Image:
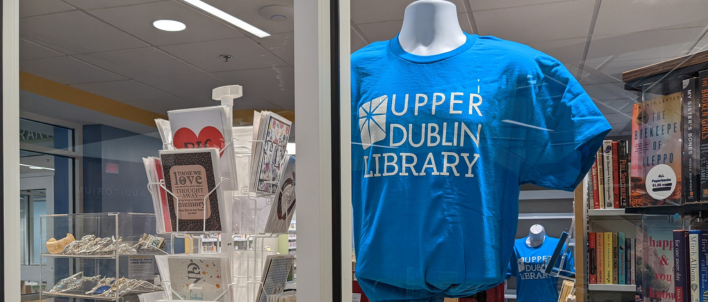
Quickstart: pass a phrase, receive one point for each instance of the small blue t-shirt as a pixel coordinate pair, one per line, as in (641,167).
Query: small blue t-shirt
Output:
(532,285)
(440,146)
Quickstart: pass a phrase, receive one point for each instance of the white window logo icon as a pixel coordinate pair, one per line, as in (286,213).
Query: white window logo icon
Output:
(520,263)
(372,121)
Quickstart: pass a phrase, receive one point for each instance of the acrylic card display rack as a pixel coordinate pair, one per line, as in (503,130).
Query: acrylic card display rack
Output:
(243,267)
(90,262)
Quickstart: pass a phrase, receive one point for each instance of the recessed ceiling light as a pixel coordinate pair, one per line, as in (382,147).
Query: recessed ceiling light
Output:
(169,25)
(228,18)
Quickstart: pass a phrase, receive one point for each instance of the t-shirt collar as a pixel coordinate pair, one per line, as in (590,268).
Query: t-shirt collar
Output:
(396,49)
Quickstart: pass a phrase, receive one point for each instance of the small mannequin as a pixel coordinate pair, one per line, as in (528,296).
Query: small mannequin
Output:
(430,27)
(537,235)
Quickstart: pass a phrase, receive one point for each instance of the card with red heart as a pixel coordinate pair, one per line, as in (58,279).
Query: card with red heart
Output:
(206,127)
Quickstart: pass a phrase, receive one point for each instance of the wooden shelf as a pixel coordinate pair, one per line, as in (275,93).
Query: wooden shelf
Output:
(612,287)
(687,208)
(698,61)
(609,212)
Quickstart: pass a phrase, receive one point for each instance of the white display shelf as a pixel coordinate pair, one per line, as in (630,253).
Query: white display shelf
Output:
(112,256)
(612,287)
(78,296)
(609,212)
(510,294)
(545,195)
(524,216)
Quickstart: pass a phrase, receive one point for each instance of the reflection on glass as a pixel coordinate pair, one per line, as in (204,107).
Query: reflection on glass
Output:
(46,135)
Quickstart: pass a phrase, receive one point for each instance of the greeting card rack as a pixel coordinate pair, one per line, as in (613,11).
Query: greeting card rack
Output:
(243,213)
(121,255)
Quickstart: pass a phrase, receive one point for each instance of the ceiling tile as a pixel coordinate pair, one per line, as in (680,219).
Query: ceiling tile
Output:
(357,42)
(75,32)
(67,70)
(623,16)
(282,45)
(662,44)
(137,20)
(536,23)
(164,104)
(273,85)
(369,11)
(387,30)
(247,10)
(610,91)
(701,45)
(42,7)
(123,91)
(139,63)
(95,4)
(205,55)
(477,5)
(30,51)
(569,51)
(193,87)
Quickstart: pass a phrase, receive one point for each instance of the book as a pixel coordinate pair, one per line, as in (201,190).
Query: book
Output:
(656,261)
(702,87)
(601,178)
(592,263)
(623,172)
(691,136)
(609,174)
(281,212)
(615,175)
(656,148)
(634,261)
(615,259)
(153,168)
(206,127)
(272,134)
(609,276)
(587,186)
(681,277)
(198,277)
(621,259)
(595,197)
(629,279)
(600,257)
(191,174)
(703,266)
(693,258)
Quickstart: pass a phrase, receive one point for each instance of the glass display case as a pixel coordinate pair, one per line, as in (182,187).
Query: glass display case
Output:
(101,256)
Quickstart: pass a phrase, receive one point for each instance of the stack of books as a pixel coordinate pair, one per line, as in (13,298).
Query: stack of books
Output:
(610,176)
(611,258)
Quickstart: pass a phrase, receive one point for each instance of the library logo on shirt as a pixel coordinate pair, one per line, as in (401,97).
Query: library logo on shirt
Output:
(372,121)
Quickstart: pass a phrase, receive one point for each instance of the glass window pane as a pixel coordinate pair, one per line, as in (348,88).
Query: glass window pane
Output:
(45,135)
(39,207)
(24,235)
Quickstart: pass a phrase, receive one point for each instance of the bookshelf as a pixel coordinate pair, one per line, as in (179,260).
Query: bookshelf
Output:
(630,220)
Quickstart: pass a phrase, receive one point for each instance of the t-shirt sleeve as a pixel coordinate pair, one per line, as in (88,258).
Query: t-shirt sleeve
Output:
(564,130)
(512,267)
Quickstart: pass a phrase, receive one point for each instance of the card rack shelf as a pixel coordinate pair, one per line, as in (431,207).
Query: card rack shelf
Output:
(244,284)
(130,227)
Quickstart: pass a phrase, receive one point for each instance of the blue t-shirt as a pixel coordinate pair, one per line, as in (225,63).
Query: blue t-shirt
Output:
(532,285)
(440,146)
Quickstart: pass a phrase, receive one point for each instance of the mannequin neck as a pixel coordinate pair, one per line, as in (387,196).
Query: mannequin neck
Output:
(430,27)
(537,235)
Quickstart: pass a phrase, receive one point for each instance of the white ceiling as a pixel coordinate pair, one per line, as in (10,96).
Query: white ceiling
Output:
(109,47)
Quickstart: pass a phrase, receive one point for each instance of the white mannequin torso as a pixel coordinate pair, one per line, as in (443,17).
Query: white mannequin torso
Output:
(430,27)
(537,234)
